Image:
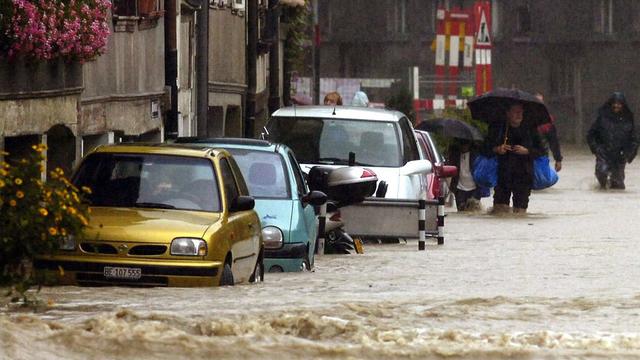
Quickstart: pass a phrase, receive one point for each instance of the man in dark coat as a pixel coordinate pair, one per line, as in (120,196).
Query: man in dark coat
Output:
(612,139)
(516,145)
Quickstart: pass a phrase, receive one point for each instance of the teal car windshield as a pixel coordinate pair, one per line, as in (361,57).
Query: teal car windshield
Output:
(264,173)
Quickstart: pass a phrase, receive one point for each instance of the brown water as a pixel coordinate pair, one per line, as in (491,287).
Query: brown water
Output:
(561,282)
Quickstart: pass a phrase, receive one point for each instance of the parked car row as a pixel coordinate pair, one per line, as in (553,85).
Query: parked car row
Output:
(223,211)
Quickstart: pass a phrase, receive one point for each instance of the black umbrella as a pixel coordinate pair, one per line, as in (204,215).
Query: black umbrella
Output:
(451,128)
(493,105)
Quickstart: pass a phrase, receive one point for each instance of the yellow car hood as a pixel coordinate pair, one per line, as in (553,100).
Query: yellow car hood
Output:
(147,225)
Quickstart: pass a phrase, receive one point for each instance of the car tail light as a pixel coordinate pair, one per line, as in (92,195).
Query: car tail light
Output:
(367,173)
(436,187)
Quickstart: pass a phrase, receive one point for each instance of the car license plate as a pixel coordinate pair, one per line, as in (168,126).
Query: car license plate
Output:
(111,272)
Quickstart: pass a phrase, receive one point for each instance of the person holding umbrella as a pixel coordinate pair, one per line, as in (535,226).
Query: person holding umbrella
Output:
(513,116)
(461,153)
(612,139)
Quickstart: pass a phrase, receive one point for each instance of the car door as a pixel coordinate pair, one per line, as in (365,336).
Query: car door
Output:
(426,155)
(244,224)
(418,183)
(306,229)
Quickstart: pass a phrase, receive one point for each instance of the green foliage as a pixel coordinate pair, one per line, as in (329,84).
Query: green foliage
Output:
(402,101)
(35,217)
(298,36)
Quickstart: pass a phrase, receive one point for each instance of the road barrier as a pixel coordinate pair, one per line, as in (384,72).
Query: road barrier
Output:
(396,218)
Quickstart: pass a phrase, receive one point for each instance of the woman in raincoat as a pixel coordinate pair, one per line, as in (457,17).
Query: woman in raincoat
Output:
(612,139)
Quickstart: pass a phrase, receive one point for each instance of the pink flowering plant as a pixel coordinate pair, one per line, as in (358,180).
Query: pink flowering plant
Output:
(48,29)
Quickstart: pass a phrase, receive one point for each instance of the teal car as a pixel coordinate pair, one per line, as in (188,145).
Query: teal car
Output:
(283,201)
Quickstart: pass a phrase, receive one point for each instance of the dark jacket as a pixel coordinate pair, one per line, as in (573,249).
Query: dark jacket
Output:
(550,135)
(514,168)
(612,136)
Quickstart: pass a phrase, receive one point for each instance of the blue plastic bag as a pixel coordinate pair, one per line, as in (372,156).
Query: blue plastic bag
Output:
(485,171)
(544,175)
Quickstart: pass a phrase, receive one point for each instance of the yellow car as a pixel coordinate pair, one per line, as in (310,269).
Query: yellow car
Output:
(162,215)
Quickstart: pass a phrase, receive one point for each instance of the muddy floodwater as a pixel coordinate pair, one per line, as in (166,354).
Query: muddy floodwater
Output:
(560,282)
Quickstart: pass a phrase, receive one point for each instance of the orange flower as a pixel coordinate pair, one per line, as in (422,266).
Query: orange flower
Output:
(53,231)
(18,181)
(19,194)
(12,203)
(43,212)
(3,172)
(71,210)
(1,184)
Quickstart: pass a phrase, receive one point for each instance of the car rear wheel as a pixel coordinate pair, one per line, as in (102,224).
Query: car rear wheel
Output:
(227,275)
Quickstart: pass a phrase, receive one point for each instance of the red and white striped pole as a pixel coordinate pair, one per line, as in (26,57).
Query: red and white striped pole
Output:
(441,49)
(482,16)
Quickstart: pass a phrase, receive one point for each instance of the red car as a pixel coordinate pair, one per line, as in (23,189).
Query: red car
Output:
(428,150)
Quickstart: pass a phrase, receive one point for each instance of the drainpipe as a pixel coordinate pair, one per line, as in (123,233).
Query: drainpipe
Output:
(171,67)
(274,56)
(202,68)
(316,54)
(252,59)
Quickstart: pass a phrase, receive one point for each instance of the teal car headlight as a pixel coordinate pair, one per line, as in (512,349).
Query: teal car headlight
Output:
(188,247)
(67,243)
(272,237)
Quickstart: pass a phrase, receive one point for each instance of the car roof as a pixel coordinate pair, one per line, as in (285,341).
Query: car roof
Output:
(340,112)
(234,143)
(160,148)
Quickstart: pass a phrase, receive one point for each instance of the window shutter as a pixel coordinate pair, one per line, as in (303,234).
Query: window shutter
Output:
(239,5)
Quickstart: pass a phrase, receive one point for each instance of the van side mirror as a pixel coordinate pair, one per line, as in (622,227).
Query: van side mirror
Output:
(315,198)
(242,203)
(417,167)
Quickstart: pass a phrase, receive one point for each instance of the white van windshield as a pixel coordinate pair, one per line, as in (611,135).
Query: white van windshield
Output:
(329,141)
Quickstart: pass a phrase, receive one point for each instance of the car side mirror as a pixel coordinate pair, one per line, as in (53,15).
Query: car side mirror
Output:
(447,171)
(315,198)
(242,203)
(416,167)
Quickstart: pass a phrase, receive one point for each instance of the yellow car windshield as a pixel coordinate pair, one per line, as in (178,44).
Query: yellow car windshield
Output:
(149,181)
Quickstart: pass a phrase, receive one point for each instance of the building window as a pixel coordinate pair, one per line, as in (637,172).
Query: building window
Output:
(561,78)
(635,17)
(397,16)
(141,8)
(128,13)
(125,8)
(603,17)
(523,15)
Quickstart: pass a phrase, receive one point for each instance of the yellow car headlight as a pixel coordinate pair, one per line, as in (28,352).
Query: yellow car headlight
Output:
(188,247)
(272,237)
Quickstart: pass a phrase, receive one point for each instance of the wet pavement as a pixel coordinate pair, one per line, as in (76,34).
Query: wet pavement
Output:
(560,282)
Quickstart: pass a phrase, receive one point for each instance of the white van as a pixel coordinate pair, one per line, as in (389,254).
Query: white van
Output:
(381,140)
